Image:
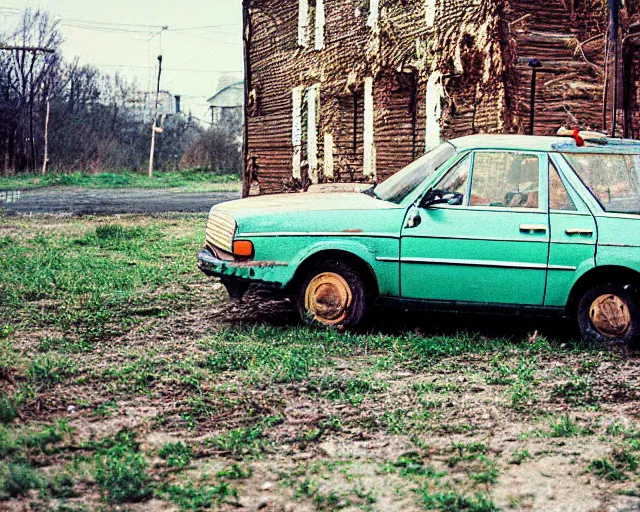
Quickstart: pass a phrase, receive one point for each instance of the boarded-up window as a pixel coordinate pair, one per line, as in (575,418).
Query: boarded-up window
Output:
(305,110)
(369,142)
(374,13)
(303,23)
(311,23)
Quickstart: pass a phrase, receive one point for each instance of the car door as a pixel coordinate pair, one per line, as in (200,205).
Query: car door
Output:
(492,246)
(574,234)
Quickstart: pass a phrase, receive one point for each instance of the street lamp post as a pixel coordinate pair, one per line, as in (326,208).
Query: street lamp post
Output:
(535,65)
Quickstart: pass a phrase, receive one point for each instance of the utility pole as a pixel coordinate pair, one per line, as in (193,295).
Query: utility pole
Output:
(155,129)
(45,162)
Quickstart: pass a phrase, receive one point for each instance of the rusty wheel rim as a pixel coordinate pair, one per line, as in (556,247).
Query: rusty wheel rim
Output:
(610,316)
(328,298)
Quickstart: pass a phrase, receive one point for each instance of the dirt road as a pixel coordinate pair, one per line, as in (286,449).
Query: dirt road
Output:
(77,201)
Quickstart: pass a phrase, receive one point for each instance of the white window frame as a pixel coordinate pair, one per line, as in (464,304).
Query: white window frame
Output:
(369,162)
(303,23)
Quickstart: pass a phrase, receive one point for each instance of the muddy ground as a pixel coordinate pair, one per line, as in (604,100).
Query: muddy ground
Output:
(170,397)
(81,201)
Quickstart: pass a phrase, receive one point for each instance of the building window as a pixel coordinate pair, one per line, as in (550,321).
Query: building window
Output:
(311,13)
(305,131)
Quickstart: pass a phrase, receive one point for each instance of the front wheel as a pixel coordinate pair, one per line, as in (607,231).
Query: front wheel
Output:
(333,293)
(608,314)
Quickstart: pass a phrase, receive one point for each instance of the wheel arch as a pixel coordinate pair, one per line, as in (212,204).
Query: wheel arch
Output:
(359,263)
(601,275)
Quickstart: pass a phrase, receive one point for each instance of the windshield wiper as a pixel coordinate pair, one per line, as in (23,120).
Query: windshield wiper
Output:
(371,192)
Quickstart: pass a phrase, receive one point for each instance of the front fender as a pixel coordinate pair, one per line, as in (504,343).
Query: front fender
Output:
(387,273)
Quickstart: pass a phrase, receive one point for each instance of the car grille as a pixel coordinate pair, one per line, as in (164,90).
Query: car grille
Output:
(221,229)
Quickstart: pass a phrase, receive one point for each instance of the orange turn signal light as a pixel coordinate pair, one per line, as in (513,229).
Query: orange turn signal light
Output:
(243,248)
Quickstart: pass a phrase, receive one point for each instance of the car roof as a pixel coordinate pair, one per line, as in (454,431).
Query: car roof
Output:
(539,143)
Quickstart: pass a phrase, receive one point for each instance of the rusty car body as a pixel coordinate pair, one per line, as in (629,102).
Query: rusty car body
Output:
(501,223)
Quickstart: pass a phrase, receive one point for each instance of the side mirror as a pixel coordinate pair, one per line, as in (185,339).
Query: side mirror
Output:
(435,197)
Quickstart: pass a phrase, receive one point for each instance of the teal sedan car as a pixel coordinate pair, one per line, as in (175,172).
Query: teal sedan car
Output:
(485,223)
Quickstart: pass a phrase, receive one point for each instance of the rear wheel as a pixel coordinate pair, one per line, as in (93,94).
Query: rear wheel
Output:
(608,314)
(333,293)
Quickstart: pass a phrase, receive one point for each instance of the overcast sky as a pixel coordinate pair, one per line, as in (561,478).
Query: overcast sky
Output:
(194,59)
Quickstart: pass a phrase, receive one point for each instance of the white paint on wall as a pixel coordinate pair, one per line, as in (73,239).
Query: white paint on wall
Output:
(313,98)
(296,135)
(369,141)
(328,155)
(320,24)
(374,13)
(430,8)
(303,23)
(435,94)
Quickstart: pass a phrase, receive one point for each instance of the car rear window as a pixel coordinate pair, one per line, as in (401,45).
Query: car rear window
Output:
(614,179)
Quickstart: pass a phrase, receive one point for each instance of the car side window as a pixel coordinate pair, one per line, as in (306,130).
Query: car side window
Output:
(559,199)
(457,181)
(505,180)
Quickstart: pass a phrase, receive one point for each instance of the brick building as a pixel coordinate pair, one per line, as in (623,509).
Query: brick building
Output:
(354,90)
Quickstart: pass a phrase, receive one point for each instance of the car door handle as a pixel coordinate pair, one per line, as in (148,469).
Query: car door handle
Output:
(533,228)
(579,232)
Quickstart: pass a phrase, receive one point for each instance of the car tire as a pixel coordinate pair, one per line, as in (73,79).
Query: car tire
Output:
(333,293)
(608,314)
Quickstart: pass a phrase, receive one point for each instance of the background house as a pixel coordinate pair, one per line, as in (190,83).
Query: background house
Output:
(344,90)
(228,100)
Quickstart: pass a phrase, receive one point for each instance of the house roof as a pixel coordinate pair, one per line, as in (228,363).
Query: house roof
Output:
(230,96)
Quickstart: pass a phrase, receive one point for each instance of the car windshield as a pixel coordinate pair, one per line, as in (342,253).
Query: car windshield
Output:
(614,179)
(399,186)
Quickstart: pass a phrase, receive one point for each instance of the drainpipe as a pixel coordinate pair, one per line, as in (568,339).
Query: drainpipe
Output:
(535,65)
(614,10)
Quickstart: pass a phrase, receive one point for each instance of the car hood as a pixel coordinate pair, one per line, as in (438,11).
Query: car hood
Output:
(303,202)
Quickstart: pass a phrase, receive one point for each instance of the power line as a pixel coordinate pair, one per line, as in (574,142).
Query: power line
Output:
(180,70)
(212,40)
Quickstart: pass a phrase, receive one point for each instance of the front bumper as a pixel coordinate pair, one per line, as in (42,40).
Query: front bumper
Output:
(251,271)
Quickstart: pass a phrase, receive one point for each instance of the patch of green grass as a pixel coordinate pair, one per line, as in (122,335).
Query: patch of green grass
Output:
(121,470)
(351,389)
(241,441)
(519,456)
(177,455)
(466,452)
(193,180)
(231,351)
(455,502)
(411,464)
(606,469)
(17,480)
(189,497)
(565,427)
(97,285)
(578,391)
(523,390)
(236,472)
(46,371)
(8,410)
